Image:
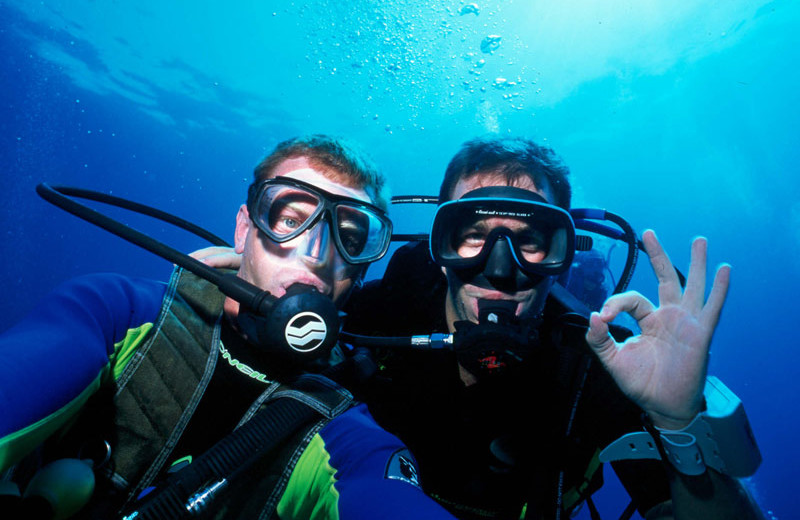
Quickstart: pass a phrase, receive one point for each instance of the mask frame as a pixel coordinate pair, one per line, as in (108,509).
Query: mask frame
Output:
(328,209)
(550,225)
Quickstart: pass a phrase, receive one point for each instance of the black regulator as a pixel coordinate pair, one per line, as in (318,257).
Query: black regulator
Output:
(299,327)
(497,343)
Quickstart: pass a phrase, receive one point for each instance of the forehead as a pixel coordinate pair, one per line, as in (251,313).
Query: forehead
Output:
(485,179)
(300,168)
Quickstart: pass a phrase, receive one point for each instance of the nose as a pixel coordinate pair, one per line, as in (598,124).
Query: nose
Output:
(500,268)
(316,246)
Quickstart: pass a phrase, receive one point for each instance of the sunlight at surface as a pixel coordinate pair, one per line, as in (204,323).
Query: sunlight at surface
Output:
(423,56)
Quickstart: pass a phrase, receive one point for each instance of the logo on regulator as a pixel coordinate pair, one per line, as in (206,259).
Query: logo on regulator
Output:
(306,331)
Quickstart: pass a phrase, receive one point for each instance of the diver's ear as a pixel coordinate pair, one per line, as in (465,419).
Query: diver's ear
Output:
(243,224)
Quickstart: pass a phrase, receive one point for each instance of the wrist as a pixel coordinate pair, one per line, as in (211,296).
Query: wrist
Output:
(664,422)
(681,416)
(719,437)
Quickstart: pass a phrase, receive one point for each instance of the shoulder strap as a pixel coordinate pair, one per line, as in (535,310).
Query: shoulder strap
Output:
(190,490)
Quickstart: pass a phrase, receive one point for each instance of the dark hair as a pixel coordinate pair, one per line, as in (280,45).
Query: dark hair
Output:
(335,157)
(512,158)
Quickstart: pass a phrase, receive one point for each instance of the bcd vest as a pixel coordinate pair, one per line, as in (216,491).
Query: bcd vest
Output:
(159,390)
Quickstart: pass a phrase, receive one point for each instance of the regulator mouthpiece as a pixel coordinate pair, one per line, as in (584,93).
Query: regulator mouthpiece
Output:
(300,326)
(496,344)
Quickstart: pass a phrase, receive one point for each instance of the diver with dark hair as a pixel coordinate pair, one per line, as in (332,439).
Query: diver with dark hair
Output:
(516,420)
(131,398)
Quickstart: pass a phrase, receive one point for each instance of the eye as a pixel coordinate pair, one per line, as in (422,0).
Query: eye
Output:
(353,235)
(353,242)
(469,241)
(285,217)
(353,229)
(289,222)
(533,245)
(473,238)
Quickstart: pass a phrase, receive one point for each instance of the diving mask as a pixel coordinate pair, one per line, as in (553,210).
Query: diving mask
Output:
(539,236)
(283,208)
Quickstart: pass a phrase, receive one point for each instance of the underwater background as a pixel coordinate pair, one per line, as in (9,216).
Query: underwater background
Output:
(680,116)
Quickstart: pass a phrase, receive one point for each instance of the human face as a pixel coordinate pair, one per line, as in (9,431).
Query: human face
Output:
(274,267)
(463,295)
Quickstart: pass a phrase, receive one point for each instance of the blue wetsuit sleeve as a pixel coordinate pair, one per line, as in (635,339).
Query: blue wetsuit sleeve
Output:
(57,356)
(352,470)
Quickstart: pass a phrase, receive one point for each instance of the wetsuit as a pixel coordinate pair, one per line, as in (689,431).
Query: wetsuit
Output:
(524,443)
(140,363)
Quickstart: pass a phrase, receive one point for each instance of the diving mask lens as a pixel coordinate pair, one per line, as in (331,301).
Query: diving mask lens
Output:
(541,236)
(284,208)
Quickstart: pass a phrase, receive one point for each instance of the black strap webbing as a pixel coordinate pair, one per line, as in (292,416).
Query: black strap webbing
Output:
(273,425)
(593,512)
(628,513)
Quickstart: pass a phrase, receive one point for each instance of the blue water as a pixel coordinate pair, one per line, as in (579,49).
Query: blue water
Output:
(683,118)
